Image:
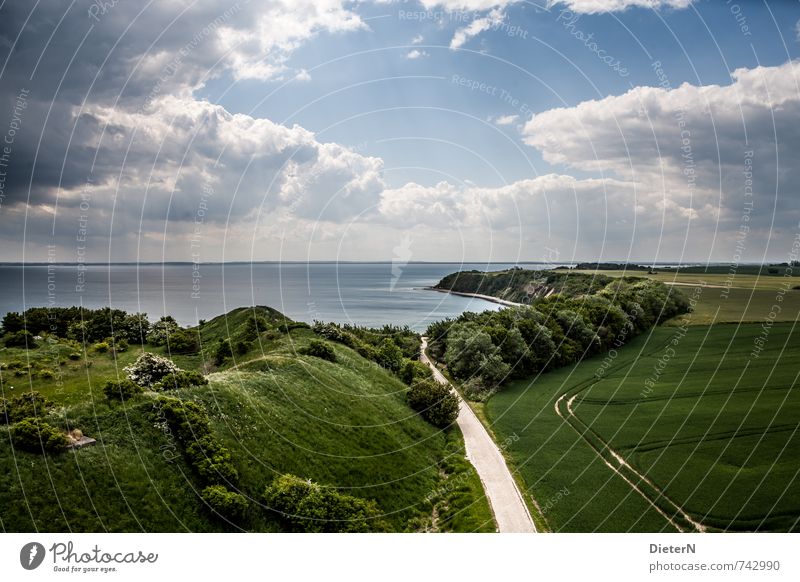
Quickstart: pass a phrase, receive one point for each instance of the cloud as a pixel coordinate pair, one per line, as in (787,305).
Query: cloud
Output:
(599,6)
(492,20)
(693,149)
(505,119)
(578,6)
(416,54)
(417,39)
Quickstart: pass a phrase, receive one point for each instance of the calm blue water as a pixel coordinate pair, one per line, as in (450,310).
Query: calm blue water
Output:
(359,293)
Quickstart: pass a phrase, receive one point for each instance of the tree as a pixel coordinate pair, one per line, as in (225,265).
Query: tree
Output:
(13,321)
(183,341)
(149,369)
(390,357)
(467,350)
(435,402)
(161,331)
(224,350)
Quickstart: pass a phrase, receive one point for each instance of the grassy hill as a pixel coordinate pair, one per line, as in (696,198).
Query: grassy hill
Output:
(343,424)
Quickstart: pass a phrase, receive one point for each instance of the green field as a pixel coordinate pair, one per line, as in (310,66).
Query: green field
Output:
(681,429)
(743,297)
(344,424)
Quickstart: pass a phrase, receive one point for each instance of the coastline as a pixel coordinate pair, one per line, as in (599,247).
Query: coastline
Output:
(503,302)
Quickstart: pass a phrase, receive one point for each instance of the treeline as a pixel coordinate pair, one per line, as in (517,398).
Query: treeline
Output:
(486,350)
(78,323)
(523,285)
(110,329)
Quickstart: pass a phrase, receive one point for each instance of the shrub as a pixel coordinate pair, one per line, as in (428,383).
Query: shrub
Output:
(254,326)
(27,405)
(121,389)
(183,341)
(224,502)
(20,339)
(389,356)
(211,460)
(435,402)
(474,389)
(162,330)
(181,379)
(149,369)
(414,371)
(189,422)
(34,435)
(242,347)
(288,326)
(319,349)
(100,347)
(74,356)
(309,507)
(223,351)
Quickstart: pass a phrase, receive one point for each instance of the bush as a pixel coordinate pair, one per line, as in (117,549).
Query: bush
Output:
(223,351)
(254,326)
(224,502)
(149,369)
(100,347)
(183,341)
(34,435)
(288,326)
(162,330)
(474,389)
(181,379)
(319,349)
(211,460)
(242,347)
(189,422)
(20,339)
(414,371)
(389,356)
(32,404)
(435,402)
(121,389)
(74,356)
(309,507)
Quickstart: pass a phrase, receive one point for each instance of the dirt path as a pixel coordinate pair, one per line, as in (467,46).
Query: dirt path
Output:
(505,499)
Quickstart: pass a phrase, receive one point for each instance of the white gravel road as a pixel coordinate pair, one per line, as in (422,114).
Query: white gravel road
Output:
(510,511)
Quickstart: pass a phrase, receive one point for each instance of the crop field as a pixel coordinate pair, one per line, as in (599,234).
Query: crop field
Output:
(687,428)
(725,298)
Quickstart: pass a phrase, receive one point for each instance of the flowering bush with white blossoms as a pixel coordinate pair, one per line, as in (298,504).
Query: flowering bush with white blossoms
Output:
(149,369)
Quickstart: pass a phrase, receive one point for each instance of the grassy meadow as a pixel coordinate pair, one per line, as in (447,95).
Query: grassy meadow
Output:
(708,433)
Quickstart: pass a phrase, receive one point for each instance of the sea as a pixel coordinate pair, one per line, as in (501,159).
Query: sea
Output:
(366,294)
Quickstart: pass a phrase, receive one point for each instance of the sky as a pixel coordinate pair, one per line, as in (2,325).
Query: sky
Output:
(432,130)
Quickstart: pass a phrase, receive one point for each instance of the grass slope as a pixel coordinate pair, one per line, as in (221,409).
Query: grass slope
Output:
(713,429)
(343,424)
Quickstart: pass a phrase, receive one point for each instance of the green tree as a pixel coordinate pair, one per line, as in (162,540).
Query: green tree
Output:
(435,402)
(390,357)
